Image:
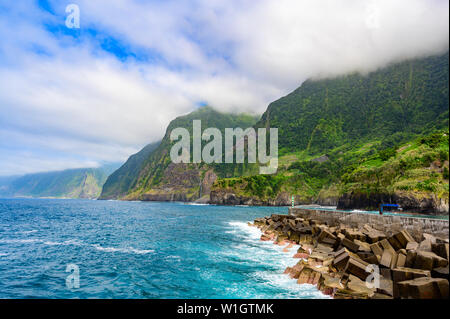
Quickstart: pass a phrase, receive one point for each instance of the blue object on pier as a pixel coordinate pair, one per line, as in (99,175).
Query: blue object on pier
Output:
(387,205)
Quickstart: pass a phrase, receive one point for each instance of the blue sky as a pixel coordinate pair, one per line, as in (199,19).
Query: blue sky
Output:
(82,97)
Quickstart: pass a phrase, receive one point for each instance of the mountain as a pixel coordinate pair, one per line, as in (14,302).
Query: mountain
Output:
(123,179)
(70,183)
(353,141)
(358,140)
(150,174)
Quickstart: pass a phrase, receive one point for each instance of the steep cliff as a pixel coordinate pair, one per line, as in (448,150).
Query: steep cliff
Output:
(358,140)
(155,177)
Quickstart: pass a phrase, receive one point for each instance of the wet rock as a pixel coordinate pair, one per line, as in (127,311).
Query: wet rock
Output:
(423,288)
(309,275)
(301,255)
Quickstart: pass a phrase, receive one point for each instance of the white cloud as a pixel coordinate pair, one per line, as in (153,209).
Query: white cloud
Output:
(73,104)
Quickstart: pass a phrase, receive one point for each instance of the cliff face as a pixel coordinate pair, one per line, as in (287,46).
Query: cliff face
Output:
(123,179)
(415,202)
(156,177)
(228,197)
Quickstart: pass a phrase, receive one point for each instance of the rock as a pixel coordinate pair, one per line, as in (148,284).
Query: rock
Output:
(386,286)
(441,272)
(430,238)
(281,239)
(395,243)
(423,288)
(403,273)
(371,259)
(349,294)
(324,248)
(412,246)
(410,258)
(387,246)
(386,273)
(377,249)
(386,259)
(440,249)
(429,260)
(357,268)
(425,245)
(341,258)
(404,238)
(363,246)
(401,261)
(328,285)
(306,239)
(380,296)
(357,285)
(350,245)
(326,237)
(301,255)
(305,248)
(353,234)
(294,271)
(266,237)
(309,275)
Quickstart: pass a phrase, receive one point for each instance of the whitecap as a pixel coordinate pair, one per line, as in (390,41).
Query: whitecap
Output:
(122,250)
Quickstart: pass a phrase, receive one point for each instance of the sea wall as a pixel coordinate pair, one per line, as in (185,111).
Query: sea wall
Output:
(386,223)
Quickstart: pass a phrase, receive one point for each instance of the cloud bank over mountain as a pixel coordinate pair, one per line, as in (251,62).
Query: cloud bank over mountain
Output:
(80,97)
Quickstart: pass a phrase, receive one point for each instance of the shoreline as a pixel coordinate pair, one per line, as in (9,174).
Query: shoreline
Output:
(340,260)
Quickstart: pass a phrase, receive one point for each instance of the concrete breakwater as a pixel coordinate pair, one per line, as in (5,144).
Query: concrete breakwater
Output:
(347,257)
(416,226)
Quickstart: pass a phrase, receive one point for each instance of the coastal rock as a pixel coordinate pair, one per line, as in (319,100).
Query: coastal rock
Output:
(424,288)
(418,203)
(336,258)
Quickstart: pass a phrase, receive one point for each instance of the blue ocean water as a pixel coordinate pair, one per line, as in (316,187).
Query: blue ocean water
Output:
(140,250)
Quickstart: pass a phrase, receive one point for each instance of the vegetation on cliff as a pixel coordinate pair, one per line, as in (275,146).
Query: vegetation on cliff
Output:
(378,134)
(356,139)
(155,177)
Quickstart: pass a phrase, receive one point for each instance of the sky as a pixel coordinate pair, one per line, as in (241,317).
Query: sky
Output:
(82,97)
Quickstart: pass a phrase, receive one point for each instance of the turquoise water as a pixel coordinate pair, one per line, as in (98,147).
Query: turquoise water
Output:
(140,250)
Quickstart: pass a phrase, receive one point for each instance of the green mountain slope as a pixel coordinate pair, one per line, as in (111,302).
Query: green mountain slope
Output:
(342,141)
(160,179)
(400,100)
(123,179)
(71,183)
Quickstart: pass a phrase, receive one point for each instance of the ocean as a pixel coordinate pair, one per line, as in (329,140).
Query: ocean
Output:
(139,250)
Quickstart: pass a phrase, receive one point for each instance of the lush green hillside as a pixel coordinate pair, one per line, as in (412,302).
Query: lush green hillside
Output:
(71,183)
(390,104)
(355,141)
(123,179)
(160,179)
